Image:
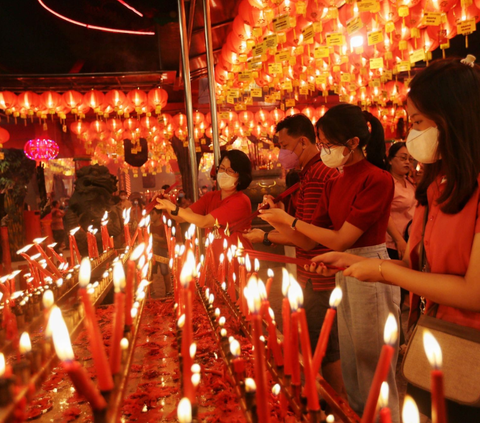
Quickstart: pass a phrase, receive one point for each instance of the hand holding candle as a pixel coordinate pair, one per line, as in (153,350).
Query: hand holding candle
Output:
(383,367)
(434,355)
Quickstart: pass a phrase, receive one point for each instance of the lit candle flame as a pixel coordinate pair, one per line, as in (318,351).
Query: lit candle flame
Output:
(138,252)
(235,348)
(24,249)
(25,345)
(250,385)
(85,272)
(383,399)
(270,273)
(391,330)
(253,295)
(184,411)
(295,295)
(196,379)
(48,299)
(276,389)
(2,364)
(336,297)
(181,321)
(248,265)
(39,240)
(74,230)
(262,291)
(410,411)
(188,269)
(193,350)
(432,349)
(124,344)
(60,335)
(118,277)
(285,281)
(330,419)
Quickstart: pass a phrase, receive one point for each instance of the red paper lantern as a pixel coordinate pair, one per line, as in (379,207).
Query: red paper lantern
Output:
(8,100)
(277,115)
(198,118)
(28,100)
(94,99)
(131,124)
(41,149)
(137,97)
(50,100)
(72,99)
(157,98)
(4,135)
(79,127)
(245,116)
(115,98)
(98,126)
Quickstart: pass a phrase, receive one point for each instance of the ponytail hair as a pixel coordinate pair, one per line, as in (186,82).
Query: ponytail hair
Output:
(346,121)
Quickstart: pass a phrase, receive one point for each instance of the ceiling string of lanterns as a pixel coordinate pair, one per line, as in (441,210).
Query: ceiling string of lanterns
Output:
(288,50)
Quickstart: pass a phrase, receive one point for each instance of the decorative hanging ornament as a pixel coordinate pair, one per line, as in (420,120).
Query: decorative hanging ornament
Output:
(41,150)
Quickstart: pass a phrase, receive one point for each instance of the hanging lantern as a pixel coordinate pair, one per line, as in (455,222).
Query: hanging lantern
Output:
(72,99)
(277,115)
(28,102)
(8,101)
(180,120)
(97,126)
(114,125)
(245,116)
(137,97)
(79,127)
(41,150)
(131,124)
(4,136)
(157,98)
(115,98)
(94,99)
(198,118)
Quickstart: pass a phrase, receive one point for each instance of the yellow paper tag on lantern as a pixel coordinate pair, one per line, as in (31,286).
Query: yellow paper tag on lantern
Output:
(275,68)
(414,33)
(240,106)
(256,92)
(388,75)
(359,50)
(308,33)
(389,27)
(242,58)
(402,45)
(281,23)
(233,93)
(287,85)
(281,38)
(203,141)
(254,65)
(257,31)
(466,3)
(335,39)
(281,56)
(332,13)
(290,103)
(336,68)
(259,49)
(317,27)
(185,144)
(249,101)
(303,91)
(404,66)
(432,18)
(354,25)
(388,55)
(346,77)
(292,61)
(230,100)
(293,21)
(299,50)
(466,27)
(417,55)
(277,95)
(376,63)
(224,115)
(301,7)
(245,76)
(445,45)
(321,79)
(375,37)
(269,99)
(321,52)
(368,6)
(311,86)
(344,59)
(198,149)
(271,41)
(403,11)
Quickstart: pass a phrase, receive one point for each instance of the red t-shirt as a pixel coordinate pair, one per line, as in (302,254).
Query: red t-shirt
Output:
(361,196)
(312,181)
(448,246)
(230,210)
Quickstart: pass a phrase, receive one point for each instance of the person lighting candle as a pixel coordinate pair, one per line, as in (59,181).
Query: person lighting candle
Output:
(227,205)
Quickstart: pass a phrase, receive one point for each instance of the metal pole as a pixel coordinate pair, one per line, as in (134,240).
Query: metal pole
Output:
(211,80)
(188,96)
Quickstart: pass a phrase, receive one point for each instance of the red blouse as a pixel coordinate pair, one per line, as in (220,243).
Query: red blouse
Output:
(230,210)
(448,245)
(361,196)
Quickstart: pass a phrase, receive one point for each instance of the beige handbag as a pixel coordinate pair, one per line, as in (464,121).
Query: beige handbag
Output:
(460,351)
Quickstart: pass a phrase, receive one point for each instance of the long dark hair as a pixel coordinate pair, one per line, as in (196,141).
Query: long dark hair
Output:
(346,121)
(448,92)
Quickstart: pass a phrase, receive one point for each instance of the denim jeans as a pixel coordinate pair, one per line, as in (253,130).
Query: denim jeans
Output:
(361,321)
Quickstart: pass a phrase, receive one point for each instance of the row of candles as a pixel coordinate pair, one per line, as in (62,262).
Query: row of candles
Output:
(253,304)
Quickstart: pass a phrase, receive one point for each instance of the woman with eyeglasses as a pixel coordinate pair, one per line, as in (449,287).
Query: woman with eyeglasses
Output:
(403,204)
(226,205)
(352,215)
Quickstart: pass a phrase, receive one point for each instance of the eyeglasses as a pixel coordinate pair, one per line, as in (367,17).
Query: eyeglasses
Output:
(326,147)
(229,170)
(405,158)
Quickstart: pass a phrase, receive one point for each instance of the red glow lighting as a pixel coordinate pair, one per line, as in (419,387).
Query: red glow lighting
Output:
(131,8)
(99,28)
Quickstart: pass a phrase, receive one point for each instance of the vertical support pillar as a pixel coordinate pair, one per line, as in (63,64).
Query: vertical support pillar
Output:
(188,96)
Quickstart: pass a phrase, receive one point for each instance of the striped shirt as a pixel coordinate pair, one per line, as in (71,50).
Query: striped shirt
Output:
(312,180)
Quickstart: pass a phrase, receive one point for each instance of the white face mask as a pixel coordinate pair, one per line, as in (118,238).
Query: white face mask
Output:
(422,145)
(225,181)
(335,158)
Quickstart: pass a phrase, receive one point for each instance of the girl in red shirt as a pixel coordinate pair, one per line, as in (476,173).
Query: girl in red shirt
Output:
(444,107)
(352,216)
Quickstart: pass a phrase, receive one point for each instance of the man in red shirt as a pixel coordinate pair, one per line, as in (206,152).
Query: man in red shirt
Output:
(296,136)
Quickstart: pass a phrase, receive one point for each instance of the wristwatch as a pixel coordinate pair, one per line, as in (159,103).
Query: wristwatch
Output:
(175,212)
(266,241)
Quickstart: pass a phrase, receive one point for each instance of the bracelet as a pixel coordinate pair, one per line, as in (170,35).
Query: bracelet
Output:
(380,269)
(266,241)
(175,212)
(294,223)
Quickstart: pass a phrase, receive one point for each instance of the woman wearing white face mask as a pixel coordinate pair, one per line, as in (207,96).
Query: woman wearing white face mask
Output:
(444,108)
(352,215)
(227,205)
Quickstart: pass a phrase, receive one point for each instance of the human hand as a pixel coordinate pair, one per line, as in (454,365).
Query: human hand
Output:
(401,247)
(274,216)
(165,205)
(367,270)
(329,264)
(255,236)
(268,199)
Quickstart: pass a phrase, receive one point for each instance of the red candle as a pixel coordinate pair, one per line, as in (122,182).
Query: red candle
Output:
(126,226)
(294,354)
(385,414)
(82,383)
(310,387)
(59,257)
(221,268)
(130,284)
(50,264)
(434,355)
(238,362)
(272,338)
(269,281)
(383,366)
(255,304)
(320,350)
(74,247)
(104,376)
(119,320)
(286,324)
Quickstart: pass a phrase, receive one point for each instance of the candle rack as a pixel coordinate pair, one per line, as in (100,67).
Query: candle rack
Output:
(337,404)
(74,323)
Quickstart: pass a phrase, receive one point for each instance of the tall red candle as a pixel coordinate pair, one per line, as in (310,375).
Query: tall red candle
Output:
(286,324)
(434,355)
(294,352)
(320,350)
(100,361)
(269,281)
(272,338)
(119,320)
(59,257)
(310,386)
(221,268)
(74,252)
(126,226)
(385,414)
(50,264)
(383,366)
(255,304)
(82,383)
(130,283)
